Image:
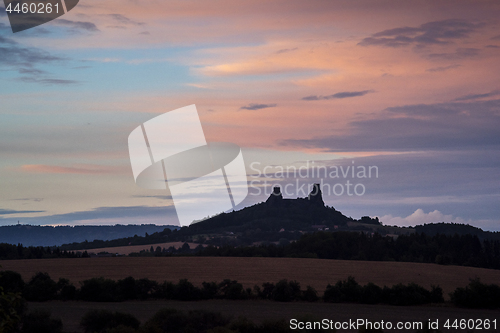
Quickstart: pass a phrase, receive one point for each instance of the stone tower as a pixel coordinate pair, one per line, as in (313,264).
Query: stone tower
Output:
(316,197)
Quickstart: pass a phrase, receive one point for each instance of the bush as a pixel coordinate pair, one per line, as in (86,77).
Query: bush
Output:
(99,290)
(412,294)
(41,288)
(310,294)
(232,290)
(343,291)
(12,282)
(186,291)
(285,291)
(126,289)
(371,294)
(166,290)
(477,295)
(41,322)
(67,291)
(436,295)
(101,321)
(267,290)
(146,288)
(12,306)
(209,290)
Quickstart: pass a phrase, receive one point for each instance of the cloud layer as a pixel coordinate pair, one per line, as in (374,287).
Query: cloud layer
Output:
(431,33)
(344,94)
(256,106)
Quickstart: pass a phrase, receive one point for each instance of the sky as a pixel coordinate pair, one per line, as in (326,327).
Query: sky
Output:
(410,89)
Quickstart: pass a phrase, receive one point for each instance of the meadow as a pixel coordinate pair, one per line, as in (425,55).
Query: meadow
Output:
(317,273)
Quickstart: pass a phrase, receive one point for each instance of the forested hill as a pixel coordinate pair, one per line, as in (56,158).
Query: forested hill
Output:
(277,213)
(31,235)
(456,228)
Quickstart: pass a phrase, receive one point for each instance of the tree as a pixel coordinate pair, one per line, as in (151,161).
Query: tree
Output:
(40,288)
(12,307)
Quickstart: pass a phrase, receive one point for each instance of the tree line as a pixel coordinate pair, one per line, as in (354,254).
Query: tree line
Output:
(14,292)
(42,288)
(462,250)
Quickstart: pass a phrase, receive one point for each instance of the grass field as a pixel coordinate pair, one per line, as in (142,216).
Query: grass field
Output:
(251,271)
(71,312)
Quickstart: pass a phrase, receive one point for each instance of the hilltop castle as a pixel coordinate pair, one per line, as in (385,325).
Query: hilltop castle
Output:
(314,198)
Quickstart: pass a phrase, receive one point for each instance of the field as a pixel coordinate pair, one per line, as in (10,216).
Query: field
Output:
(251,271)
(71,312)
(138,248)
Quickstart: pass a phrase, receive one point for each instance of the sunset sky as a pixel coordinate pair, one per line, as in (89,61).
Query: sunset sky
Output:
(412,88)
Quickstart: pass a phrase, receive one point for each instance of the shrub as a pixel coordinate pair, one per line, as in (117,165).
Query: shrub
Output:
(331,294)
(67,291)
(371,294)
(412,294)
(145,288)
(436,295)
(41,322)
(126,289)
(99,290)
(285,291)
(310,294)
(267,290)
(11,282)
(232,290)
(12,307)
(343,291)
(40,288)
(477,295)
(186,291)
(100,321)
(166,290)
(130,288)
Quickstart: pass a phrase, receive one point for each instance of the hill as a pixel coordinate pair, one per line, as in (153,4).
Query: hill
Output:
(451,229)
(278,219)
(277,213)
(275,220)
(33,235)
